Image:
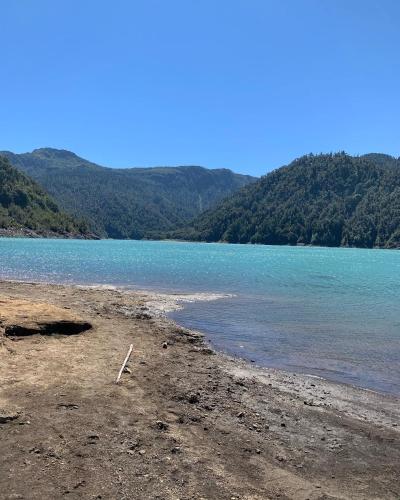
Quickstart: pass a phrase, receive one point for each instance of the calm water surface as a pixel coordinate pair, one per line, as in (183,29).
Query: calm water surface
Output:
(329,312)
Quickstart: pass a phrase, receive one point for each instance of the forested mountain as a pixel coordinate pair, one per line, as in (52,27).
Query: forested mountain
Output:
(127,203)
(327,200)
(26,209)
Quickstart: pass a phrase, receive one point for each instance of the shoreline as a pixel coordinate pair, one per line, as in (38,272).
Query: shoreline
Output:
(185,422)
(32,234)
(24,232)
(162,303)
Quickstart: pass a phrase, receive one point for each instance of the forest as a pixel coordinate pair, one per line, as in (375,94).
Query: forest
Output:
(25,205)
(326,200)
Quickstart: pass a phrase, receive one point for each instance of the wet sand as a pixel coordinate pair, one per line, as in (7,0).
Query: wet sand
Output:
(184,422)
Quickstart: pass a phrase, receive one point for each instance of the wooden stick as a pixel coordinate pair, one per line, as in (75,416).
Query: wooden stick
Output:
(124,363)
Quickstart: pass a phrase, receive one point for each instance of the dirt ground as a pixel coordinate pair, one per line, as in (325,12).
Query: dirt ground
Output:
(184,422)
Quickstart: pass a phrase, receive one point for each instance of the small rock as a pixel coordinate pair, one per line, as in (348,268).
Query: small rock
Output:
(35,450)
(176,449)
(134,444)
(240,414)
(7,415)
(240,382)
(193,398)
(165,345)
(80,484)
(92,438)
(163,426)
(127,369)
(142,452)
(68,406)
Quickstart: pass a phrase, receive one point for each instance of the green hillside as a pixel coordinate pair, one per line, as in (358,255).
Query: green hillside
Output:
(326,200)
(26,209)
(127,203)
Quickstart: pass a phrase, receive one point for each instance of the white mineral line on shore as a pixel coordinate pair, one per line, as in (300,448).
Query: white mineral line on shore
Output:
(162,302)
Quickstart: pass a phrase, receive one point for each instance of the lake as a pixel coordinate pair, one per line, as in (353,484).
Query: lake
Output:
(331,312)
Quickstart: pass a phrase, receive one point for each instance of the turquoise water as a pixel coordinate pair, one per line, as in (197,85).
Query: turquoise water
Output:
(329,312)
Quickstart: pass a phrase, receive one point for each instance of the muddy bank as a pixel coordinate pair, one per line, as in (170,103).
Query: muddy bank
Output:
(184,423)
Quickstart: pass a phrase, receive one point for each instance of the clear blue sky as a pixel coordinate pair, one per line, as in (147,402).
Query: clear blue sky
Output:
(243,84)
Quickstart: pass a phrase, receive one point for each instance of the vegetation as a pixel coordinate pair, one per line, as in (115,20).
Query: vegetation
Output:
(127,203)
(24,205)
(326,200)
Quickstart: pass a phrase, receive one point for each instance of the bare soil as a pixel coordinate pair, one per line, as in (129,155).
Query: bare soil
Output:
(184,422)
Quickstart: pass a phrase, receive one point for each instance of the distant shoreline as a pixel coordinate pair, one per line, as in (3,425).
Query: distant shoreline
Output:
(28,233)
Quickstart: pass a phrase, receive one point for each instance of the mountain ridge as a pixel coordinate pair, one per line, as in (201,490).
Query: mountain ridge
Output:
(51,154)
(131,203)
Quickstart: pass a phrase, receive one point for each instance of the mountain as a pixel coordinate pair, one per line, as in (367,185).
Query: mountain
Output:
(326,200)
(25,209)
(131,202)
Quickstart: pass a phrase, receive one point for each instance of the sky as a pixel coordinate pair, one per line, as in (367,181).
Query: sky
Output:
(242,84)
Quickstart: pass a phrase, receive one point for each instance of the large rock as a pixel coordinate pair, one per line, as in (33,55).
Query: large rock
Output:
(8,414)
(21,317)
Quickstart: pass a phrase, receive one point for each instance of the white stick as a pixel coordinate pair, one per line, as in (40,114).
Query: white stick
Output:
(124,363)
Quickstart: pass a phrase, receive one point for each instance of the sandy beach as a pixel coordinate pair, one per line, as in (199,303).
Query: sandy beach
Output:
(183,423)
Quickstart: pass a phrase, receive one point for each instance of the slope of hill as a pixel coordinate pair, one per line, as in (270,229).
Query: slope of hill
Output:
(26,209)
(326,200)
(127,203)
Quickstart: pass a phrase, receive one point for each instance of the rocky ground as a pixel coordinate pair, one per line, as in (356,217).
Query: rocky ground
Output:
(183,423)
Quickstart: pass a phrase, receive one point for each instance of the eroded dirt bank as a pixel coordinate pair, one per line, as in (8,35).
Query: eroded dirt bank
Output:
(183,423)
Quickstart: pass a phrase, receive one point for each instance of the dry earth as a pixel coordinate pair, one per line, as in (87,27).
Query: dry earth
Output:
(184,423)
